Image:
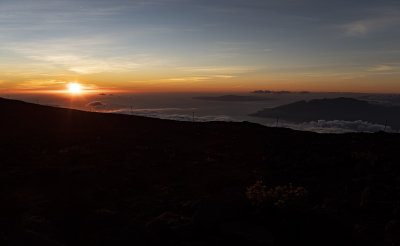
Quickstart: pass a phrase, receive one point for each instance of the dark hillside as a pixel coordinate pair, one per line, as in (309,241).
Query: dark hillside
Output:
(78,178)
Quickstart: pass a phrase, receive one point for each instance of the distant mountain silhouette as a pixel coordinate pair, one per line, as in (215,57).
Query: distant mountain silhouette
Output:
(348,109)
(234,98)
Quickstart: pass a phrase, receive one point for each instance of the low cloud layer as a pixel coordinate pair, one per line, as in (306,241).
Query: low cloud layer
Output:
(320,126)
(161,114)
(337,126)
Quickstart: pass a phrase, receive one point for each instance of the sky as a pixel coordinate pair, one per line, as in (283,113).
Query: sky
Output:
(200,45)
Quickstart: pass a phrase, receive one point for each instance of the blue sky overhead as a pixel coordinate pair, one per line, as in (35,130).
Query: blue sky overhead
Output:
(201,45)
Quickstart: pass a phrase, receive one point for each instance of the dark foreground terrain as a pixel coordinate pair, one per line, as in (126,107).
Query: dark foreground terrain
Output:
(78,178)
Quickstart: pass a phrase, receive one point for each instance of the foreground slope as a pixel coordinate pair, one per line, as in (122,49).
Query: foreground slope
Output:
(77,178)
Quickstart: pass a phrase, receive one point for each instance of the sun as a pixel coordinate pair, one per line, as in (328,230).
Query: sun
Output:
(74,88)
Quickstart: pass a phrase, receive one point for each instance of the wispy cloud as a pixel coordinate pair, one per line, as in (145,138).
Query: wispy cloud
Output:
(357,29)
(197,78)
(89,65)
(384,68)
(75,55)
(52,15)
(220,70)
(41,84)
(335,75)
(382,20)
(224,76)
(186,79)
(212,73)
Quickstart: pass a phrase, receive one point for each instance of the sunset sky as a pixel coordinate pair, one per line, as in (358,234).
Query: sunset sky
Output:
(200,45)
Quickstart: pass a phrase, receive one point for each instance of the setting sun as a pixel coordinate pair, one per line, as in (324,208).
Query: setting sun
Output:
(74,88)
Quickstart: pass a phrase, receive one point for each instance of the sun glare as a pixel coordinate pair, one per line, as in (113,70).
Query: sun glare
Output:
(74,88)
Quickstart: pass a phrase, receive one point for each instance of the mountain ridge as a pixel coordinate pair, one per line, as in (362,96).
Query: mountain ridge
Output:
(341,108)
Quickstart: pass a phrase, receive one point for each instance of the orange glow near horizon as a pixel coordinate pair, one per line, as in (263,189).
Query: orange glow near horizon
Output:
(89,85)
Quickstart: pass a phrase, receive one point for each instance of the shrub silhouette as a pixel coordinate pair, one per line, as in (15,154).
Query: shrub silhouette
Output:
(281,196)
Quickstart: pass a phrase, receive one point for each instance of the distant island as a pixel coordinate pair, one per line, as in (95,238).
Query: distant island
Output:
(234,98)
(348,109)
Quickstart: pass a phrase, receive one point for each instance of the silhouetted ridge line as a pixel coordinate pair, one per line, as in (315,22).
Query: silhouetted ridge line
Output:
(349,109)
